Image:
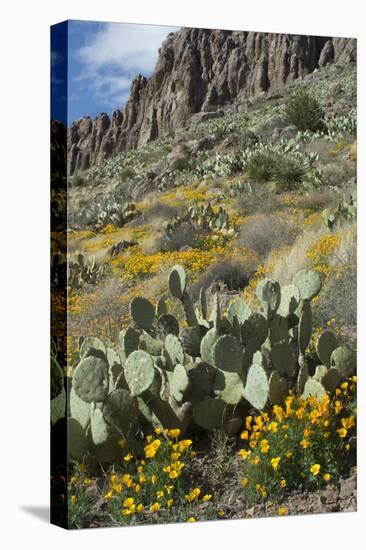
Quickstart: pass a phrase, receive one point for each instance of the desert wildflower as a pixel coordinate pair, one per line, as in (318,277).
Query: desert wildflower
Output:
(342,432)
(283,483)
(244,453)
(273,427)
(315,469)
(173,474)
(256,460)
(221,513)
(191,520)
(264,446)
(140,508)
(73,499)
(305,443)
(326,477)
(154,479)
(174,433)
(282,511)
(155,507)
(244,481)
(206,498)
(170,503)
(275,462)
(152,448)
(127,457)
(184,444)
(193,495)
(244,435)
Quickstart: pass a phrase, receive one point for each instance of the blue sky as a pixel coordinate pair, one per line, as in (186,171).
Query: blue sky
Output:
(102,59)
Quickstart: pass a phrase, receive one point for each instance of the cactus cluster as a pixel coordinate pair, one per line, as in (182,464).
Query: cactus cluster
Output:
(346,211)
(202,218)
(116,214)
(84,270)
(203,376)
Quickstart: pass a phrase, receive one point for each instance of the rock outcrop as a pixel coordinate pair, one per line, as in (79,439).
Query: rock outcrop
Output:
(201,70)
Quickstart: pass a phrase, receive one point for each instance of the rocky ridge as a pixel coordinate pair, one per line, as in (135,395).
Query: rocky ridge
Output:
(201,70)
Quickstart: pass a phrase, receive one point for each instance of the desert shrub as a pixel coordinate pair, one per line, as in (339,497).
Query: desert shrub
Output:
(337,173)
(127,173)
(317,200)
(260,199)
(232,272)
(77,180)
(261,167)
(263,233)
(289,172)
(186,236)
(338,301)
(307,443)
(157,209)
(181,164)
(305,112)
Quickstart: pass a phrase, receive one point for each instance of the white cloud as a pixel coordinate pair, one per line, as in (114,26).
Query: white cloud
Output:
(133,48)
(114,55)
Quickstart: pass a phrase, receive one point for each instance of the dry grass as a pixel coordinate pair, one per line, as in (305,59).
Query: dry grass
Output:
(282,267)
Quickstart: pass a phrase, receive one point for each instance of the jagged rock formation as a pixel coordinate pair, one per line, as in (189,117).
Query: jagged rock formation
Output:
(201,70)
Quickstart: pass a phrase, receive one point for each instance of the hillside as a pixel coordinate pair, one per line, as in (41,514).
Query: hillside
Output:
(256,200)
(201,70)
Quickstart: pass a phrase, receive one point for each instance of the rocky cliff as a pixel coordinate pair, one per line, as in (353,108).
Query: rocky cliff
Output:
(200,70)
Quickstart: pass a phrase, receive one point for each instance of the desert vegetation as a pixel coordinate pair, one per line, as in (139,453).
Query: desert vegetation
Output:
(210,360)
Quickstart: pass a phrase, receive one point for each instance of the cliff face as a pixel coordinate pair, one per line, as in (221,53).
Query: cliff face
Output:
(200,70)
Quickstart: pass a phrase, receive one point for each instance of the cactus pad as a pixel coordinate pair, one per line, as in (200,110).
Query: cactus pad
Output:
(57,378)
(283,359)
(290,299)
(179,383)
(209,413)
(256,387)
(90,345)
(79,409)
(302,378)
(90,380)
(344,360)
(76,440)
(269,295)
(255,328)
(207,344)
(120,411)
(313,388)
(58,406)
(167,324)
(139,372)
(142,312)
(129,340)
(277,389)
(308,282)
(327,343)
(305,326)
(177,281)
(240,310)
(228,386)
(228,354)
(174,349)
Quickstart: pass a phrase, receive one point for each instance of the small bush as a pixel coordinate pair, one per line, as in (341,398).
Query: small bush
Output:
(261,166)
(289,172)
(306,443)
(77,180)
(233,273)
(264,233)
(181,164)
(128,174)
(305,112)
